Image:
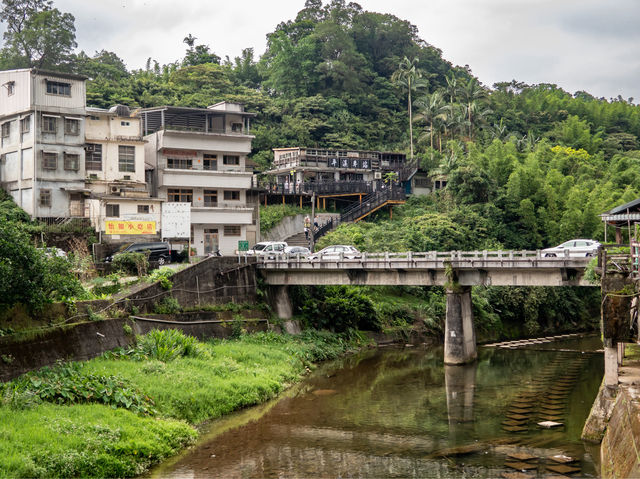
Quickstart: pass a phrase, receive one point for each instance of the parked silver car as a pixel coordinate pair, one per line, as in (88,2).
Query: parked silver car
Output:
(335,252)
(575,248)
(297,250)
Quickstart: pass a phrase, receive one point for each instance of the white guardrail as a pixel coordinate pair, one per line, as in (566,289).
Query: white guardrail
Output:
(429,259)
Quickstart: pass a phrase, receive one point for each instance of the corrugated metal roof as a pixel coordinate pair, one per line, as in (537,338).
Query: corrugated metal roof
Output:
(623,208)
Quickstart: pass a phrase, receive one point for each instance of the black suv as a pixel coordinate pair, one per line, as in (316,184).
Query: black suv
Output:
(159,251)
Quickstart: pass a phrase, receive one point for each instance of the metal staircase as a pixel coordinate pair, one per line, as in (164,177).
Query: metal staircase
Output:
(370,203)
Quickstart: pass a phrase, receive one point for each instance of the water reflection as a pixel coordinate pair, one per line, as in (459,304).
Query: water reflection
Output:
(400,413)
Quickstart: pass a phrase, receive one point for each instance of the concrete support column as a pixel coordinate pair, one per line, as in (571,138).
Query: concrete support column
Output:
(611,367)
(281,302)
(460,335)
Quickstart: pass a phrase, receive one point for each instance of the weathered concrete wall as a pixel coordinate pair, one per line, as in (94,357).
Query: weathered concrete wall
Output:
(621,442)
(289,226)
(76,343)
(214,280)
(84,341)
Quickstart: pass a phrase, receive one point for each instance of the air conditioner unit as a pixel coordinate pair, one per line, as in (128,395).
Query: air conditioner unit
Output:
(377,175)
(89,147)
(114,189)
(93,176)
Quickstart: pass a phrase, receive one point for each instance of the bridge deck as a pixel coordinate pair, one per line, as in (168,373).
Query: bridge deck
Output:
(503,268)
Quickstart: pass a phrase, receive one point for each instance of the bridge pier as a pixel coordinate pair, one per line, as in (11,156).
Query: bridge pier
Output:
(281,301)
(460,335)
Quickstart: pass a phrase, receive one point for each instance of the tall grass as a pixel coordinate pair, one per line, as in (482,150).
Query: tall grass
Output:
(189,382)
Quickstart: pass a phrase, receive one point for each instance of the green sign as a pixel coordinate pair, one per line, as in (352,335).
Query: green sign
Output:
(243,246)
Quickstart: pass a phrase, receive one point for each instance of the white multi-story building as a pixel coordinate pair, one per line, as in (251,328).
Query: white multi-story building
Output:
(199,156)
(120,202)
(42,121)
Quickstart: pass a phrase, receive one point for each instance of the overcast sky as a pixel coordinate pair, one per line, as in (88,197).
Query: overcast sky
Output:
(591,45)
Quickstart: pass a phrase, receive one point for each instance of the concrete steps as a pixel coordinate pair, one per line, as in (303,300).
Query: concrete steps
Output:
(297,239)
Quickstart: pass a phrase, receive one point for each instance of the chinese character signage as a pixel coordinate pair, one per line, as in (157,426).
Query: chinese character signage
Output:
(344,163)
(365,164)
(333,162)
(130,227)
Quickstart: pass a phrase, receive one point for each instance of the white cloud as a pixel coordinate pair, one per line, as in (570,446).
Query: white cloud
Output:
(578,45)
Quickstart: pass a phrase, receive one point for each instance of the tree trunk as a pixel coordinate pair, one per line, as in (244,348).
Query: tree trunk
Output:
(431,139)
(410,122)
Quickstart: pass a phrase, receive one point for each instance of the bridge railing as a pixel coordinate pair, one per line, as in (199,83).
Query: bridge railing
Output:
(436,259)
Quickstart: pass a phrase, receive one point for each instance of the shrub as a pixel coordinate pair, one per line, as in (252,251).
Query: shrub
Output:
(66,383)
(340,308)
(131,263)
(167,345)
(168,305)
(163,274)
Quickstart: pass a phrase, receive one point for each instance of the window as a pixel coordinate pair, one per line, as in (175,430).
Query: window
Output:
(210,162)
(94,118)
(125,123)
(210,198)
(71,127)
(93,157)
(231,160)
(45,198)
(127,158)
(6,129)
(236,127)
(232,195)
(143,209)
(113,211)
(49,124)
(11,88)
(25,124)
(180,195)
(58,88)
(232,230)
(49,160)
(180,163)
(71,162)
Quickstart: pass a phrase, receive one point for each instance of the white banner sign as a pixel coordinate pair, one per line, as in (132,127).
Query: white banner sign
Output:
(176,220)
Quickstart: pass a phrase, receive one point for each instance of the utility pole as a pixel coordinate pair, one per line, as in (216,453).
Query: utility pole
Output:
(313,215)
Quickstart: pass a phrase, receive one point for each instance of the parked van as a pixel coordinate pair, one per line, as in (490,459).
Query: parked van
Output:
(158,251)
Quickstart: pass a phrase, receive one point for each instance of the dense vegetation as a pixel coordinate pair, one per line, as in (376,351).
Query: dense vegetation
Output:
(117,415)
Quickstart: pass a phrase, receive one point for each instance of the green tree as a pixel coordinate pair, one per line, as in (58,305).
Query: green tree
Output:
(36,34)
(408,77)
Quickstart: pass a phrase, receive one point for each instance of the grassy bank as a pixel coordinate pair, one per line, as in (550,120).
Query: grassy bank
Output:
(117,415)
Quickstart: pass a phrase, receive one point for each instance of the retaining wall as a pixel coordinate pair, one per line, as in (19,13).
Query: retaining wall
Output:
(621,442)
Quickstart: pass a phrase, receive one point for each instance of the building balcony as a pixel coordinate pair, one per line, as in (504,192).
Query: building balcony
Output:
(206,178)
(222,214)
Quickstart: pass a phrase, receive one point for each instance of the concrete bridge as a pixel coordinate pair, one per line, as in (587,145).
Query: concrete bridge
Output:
(457,271)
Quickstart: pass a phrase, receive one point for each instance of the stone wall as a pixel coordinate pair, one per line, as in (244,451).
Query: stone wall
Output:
(621,442)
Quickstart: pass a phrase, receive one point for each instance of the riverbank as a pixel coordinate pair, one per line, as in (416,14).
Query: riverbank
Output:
(117,415)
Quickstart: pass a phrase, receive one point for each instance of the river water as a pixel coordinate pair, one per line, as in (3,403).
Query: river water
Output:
(390,413)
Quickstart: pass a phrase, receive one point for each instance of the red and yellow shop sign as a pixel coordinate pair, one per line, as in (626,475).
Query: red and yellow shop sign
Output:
(130,227)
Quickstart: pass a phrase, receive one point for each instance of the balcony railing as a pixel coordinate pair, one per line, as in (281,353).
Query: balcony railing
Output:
(214,131)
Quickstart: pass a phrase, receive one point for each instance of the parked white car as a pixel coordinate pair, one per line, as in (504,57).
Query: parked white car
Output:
(268,248)
(335,251)
(575,248)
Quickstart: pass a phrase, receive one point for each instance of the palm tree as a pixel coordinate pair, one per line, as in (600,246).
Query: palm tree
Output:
(452,87)
(408,77)
(431,109)
(471,92)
